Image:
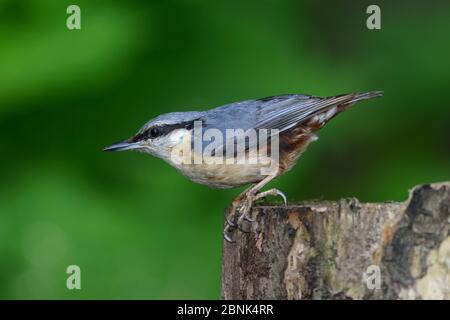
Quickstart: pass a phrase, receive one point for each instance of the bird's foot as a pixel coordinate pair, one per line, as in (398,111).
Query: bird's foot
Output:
(238,213)
(241,211)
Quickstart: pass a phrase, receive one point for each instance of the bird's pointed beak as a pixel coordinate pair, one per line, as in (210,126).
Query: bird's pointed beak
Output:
(122,146)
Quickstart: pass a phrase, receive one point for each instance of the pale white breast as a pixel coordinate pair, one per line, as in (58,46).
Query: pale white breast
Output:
(220,174)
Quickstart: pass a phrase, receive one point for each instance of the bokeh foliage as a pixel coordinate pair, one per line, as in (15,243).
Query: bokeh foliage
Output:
(136,227)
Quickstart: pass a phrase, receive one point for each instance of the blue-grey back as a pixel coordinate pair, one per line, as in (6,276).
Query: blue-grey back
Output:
(250,113)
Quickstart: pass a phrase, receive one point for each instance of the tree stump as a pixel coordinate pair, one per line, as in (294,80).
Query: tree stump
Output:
(344,250)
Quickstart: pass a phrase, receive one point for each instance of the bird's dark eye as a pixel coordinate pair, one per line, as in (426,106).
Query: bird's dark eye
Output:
(154,132)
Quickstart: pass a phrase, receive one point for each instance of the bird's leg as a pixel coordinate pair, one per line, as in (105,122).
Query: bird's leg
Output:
(244,203)
(235,204)
(231,222)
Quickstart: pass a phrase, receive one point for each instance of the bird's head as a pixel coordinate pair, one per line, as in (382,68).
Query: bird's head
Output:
(160,135)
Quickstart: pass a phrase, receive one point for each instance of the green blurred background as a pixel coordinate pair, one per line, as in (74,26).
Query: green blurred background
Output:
(135,226)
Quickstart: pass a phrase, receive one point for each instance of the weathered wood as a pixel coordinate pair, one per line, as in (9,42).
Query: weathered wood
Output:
(333,250)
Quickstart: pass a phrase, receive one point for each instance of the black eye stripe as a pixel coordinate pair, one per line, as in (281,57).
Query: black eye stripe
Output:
(158,131)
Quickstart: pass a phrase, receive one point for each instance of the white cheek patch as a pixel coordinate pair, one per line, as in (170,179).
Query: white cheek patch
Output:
(177,136)
(179,139)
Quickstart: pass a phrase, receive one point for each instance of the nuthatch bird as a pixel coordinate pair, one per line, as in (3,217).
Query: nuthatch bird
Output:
(281,127)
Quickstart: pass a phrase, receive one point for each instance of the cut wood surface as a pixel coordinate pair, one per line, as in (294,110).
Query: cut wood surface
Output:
(344,250)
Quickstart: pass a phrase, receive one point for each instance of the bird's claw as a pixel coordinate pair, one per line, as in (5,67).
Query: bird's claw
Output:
(246,218)
(227,237)
(230,223)
(281,194)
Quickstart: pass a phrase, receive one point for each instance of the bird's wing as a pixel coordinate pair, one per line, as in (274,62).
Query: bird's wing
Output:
(278,112)
(292,110)
(249,114)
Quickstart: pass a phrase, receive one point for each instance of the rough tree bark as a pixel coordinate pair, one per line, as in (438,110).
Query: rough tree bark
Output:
(336,250)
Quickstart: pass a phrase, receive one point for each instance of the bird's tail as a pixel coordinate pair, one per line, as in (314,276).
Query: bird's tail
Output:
(337,104)
(364,96)
(349,99)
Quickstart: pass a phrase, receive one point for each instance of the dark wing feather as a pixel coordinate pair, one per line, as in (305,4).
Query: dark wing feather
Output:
(295,111)
(278,112)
